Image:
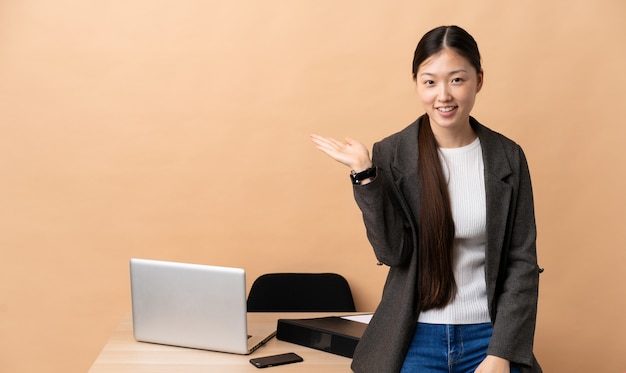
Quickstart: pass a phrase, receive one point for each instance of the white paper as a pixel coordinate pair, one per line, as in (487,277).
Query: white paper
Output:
(365,319)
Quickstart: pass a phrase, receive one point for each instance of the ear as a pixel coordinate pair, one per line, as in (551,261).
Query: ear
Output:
(481,77)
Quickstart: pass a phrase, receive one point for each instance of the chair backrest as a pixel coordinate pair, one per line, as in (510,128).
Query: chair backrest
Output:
(300,292)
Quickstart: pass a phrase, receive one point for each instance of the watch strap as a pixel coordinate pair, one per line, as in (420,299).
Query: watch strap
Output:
(358,177)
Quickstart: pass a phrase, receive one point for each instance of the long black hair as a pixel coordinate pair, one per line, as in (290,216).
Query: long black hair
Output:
(436,284)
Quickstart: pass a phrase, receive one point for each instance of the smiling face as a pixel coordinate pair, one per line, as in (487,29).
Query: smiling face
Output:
(447,85)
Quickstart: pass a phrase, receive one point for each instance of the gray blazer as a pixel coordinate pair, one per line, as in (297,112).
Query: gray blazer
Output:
(390,206)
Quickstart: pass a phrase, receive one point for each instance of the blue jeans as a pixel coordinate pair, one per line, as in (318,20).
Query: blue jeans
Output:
(438,348)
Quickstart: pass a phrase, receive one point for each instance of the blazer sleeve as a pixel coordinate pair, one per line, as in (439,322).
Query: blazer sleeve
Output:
(384,211)
(515,311)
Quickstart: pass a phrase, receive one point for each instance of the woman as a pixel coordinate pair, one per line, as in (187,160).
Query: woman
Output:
(448,206)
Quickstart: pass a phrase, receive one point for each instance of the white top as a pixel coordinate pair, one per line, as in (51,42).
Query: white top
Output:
(464,171)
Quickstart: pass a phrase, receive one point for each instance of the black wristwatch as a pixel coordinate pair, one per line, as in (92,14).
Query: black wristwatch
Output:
(358,177)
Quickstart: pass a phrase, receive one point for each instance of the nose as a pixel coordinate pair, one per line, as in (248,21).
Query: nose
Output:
(444,93)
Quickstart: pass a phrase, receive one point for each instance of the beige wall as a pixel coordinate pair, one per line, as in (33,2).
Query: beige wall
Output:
(179,130)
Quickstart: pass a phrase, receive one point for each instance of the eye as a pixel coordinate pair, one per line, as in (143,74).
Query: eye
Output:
(457,80)
(429,82)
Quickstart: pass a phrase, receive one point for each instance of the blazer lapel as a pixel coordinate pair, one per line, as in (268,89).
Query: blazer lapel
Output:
(404,168)
(498,199)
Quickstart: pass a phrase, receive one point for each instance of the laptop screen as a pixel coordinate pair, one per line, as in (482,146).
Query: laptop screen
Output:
(189,305)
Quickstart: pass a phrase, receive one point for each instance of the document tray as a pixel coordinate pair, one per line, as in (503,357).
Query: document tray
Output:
(331,334)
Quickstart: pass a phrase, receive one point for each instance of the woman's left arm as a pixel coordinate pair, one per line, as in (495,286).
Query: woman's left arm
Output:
(518,279)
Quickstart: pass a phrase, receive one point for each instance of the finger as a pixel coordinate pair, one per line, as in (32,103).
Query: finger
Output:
(339,145)
(315,137)
(325,145)
(332,145)
(322,140)
(322,144)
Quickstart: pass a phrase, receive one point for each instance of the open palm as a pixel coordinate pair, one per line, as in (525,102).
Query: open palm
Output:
(349,152)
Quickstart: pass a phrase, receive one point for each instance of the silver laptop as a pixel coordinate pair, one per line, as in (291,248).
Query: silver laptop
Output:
(192,305)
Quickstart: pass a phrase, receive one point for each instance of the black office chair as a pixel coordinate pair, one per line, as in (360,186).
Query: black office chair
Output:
(300,292)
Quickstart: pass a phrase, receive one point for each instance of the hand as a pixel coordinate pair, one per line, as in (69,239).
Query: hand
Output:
(494,364)
(350,152)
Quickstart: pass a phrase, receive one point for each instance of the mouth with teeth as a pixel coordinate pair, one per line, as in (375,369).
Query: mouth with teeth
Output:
(446,109)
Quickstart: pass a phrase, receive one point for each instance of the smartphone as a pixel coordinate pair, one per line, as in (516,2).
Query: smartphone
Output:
(270,361)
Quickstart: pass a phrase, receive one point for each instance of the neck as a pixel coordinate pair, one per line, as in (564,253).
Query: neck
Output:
(454,137)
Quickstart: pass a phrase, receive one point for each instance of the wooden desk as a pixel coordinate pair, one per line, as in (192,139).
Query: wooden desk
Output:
(122,354)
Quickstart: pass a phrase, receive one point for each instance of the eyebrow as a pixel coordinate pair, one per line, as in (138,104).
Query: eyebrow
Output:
(451,72)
